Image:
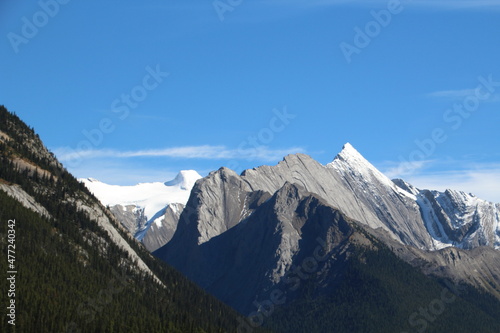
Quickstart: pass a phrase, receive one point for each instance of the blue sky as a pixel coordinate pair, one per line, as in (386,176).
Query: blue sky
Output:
(130,92)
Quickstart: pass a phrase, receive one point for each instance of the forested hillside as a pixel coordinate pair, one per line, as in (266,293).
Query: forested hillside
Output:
(378,292)
(71,274)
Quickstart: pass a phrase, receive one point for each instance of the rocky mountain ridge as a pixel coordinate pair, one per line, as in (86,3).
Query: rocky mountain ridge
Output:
(429,220)
(251,228)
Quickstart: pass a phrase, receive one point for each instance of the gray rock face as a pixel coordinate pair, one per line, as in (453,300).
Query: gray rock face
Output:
(158,235)
(24,198)
(153,235)
(217,203)
(454,218)
(241,264)
(460,219)
(353,185)
(130,217)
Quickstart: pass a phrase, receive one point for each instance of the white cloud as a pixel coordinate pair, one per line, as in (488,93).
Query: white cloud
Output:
(435,4)
(123,175)
(206,152)
(453,94)
(458,4)
(485,183)
(133,166)
(461,94)
(482,180)
(403,169)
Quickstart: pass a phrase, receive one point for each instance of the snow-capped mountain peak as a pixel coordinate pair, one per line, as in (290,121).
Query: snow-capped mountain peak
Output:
(145,203)
(350,159)
(348,152)
(350,162)
(151,196)
(185,179)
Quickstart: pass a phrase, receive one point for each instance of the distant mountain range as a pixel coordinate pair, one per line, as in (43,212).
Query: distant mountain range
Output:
(150,211)
(429,220)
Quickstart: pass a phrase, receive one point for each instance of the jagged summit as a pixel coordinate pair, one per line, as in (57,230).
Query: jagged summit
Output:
(348,156)
(296,156)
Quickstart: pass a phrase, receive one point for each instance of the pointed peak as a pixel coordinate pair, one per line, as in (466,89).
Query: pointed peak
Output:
(348,146)
(349,152)
(350,161)
(349,155)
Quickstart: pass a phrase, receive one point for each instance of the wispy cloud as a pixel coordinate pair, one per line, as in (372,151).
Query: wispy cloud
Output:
(459,4)
(403,169)
(435,4)
(135,166)
(458,94)
(206,152)
(483,181)
(122,175)
(452,94)
(480,179)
